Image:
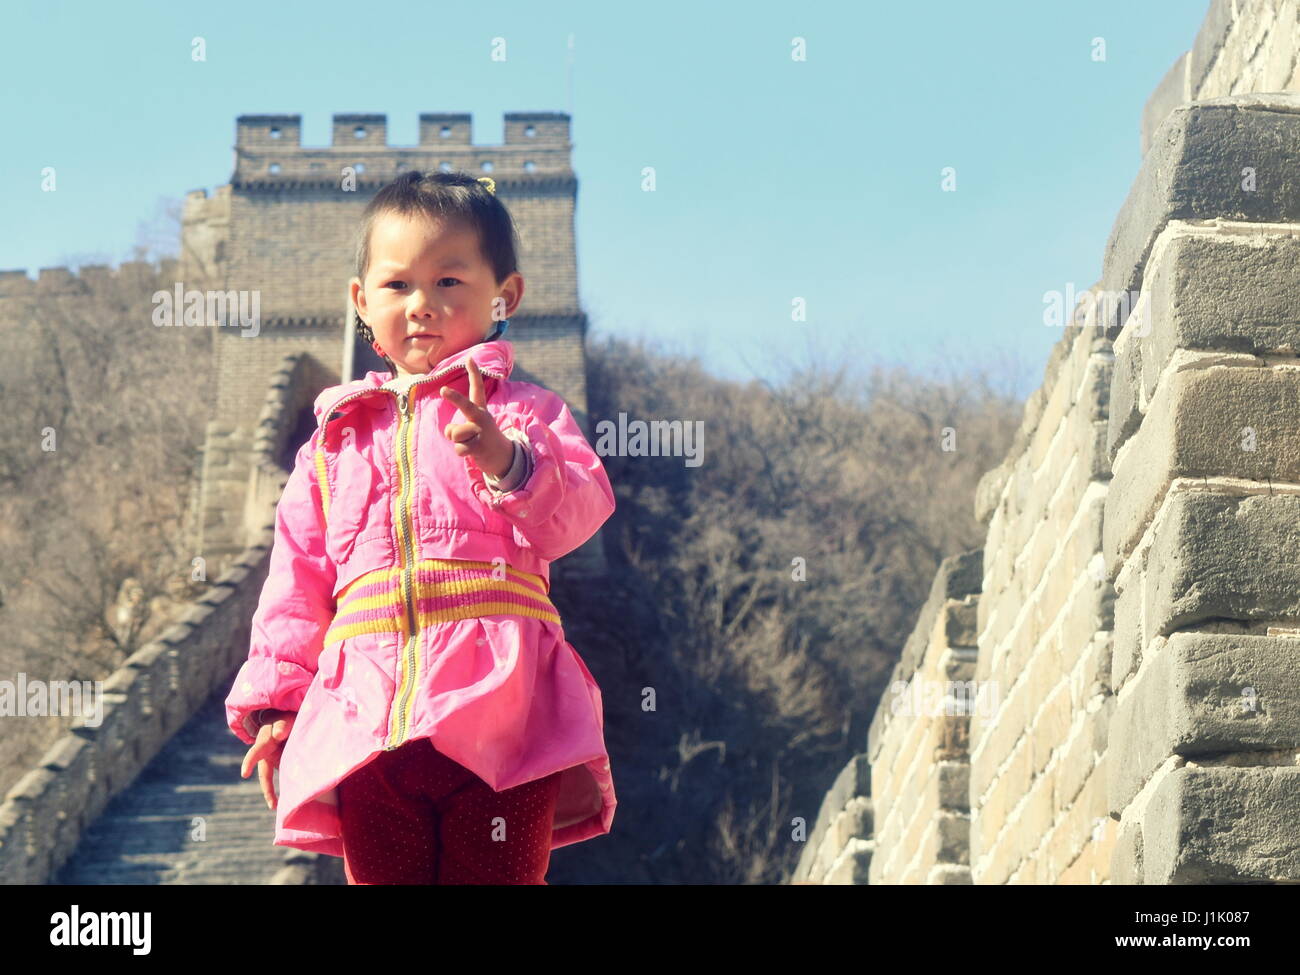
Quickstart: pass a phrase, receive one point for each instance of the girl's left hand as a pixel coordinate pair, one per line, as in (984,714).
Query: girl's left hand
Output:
(479,438)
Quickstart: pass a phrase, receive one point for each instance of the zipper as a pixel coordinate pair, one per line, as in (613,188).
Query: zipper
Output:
(406,557)
(399,710)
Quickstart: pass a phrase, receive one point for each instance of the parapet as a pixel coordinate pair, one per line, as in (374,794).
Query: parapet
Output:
(198,202)
(269,154)
(63,280)
(522,129)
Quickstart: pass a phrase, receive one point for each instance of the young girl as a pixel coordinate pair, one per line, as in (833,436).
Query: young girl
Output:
(408,672)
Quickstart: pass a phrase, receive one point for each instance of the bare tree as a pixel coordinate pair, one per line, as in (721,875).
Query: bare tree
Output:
(761,598)
(104,417)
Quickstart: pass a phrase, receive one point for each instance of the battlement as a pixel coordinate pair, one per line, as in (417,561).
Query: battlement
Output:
(63,280)
(200,197)
(351,131)
(269,153)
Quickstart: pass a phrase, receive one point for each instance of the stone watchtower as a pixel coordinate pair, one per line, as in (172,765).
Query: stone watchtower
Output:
(283,228)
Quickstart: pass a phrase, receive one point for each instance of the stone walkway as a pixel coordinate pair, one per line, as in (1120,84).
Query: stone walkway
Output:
(192,788)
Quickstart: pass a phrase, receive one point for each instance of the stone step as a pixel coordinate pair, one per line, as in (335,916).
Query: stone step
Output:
(144,836)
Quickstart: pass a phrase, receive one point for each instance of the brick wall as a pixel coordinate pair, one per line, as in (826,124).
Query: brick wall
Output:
(1138,611)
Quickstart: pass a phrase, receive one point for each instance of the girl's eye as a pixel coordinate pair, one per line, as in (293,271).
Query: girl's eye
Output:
(452,280)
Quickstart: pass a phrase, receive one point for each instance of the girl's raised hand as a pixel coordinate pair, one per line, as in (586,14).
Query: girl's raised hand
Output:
(265,751)
(478,438)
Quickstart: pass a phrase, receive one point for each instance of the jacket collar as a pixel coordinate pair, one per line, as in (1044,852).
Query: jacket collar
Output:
(495,357)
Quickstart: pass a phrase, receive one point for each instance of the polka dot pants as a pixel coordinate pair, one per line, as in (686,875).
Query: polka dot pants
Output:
(413,816)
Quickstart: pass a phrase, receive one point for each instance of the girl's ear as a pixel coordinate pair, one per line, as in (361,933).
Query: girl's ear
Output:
(357,292)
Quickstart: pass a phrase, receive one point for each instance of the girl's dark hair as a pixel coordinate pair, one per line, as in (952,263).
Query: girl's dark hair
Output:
(456,197)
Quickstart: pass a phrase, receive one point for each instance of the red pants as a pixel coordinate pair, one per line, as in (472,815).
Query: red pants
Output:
(413,816)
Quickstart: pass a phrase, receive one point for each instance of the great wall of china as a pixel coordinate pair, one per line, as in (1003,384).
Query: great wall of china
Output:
(1107,691)
(1115,667)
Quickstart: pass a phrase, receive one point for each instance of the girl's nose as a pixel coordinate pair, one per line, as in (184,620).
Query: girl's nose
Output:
(417,303)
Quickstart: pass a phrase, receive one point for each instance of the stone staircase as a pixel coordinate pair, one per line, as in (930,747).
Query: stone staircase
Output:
(190,819)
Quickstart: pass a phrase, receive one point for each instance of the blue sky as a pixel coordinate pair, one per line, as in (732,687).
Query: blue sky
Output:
(776,179)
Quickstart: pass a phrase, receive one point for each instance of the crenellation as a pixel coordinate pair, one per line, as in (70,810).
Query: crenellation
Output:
(55,281)
(268,131)
(445,129)
(534,160)
(14,284)
(359,131)
(531,129)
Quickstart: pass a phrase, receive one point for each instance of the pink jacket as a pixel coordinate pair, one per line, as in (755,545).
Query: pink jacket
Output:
(407,599)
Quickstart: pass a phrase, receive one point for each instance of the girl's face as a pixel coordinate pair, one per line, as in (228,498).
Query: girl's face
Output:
(428,292)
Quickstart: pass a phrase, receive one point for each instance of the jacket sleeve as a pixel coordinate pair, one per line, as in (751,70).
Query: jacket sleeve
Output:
(295,609)
(566,496)
(520,467)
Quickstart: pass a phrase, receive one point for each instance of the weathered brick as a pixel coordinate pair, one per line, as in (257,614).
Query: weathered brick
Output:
(1215,825)
(952,783)
(1189,701)
(1223,556)
(1053,725)
(1126,856)
(1129,636)
(1001,738)
(1080,824)
(1192,172)
(1092,675)
(1200,424)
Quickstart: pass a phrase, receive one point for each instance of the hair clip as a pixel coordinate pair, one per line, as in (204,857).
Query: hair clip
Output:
(489,183)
